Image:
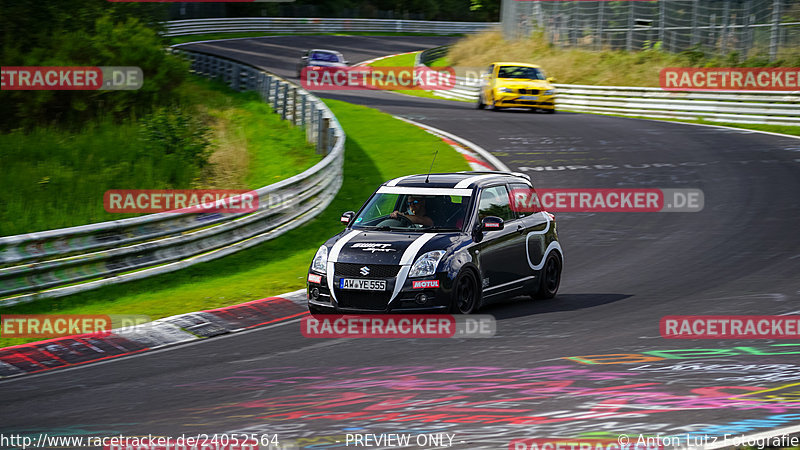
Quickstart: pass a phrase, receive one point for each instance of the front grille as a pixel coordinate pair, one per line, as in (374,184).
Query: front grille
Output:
(375,301)
(529,91)
(375,270)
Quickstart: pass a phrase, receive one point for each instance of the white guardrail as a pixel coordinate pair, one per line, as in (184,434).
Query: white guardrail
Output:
(60,262)
(320,25)
(755,107)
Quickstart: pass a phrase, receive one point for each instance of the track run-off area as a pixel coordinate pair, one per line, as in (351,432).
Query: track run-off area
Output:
(589,363)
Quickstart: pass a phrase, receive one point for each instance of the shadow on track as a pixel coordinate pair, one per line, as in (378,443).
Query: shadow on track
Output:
(524,306)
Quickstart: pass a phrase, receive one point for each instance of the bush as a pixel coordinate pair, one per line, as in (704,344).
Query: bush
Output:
(180,136)
(111,37)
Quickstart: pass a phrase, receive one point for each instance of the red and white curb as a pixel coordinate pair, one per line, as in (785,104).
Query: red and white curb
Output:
(70,351)
(477,157)
(370,61)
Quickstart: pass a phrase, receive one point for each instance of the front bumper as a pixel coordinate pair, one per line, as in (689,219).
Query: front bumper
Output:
(511,100)
(438,299)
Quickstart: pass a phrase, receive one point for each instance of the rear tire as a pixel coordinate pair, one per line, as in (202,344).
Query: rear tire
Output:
(465,293)
(480,104)
(550,277)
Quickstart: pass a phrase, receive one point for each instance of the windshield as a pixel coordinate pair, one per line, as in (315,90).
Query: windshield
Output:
(403,212)
(324,56)
(527,73)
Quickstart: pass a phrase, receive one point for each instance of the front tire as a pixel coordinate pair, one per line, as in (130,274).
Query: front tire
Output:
(550,278)
(465,293)
(316,310)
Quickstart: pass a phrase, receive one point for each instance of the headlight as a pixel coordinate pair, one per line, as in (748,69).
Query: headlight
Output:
(426,264)
(320,262)
(550,92)
(505,89)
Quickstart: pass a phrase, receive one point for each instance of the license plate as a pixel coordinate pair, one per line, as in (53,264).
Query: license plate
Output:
(529,97)
(362,284)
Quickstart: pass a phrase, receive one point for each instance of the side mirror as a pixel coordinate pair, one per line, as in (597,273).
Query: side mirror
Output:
(491,223)
(345,62)
(347,217)
(551,80)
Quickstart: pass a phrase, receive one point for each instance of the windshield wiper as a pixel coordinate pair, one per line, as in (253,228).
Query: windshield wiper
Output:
(377,227)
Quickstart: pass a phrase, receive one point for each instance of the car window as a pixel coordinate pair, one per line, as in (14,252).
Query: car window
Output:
(521,199)
(325,56)
(494,202)
(428,212)
(380,206)
(520,72)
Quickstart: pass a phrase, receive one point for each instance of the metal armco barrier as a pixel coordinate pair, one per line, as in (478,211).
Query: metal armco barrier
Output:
(320,25)
(775,108)
(60,262)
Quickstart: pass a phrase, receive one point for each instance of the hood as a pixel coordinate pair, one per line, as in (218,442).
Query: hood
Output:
(532,84)
(380,247)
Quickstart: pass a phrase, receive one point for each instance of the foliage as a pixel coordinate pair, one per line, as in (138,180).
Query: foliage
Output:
(84,33)
(177,134)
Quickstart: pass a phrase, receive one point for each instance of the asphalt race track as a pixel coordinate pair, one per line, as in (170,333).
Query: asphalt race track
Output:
(590,362)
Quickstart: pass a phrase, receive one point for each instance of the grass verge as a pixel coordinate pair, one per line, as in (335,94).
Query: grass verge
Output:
(602,68)
(252,148)
(385,149)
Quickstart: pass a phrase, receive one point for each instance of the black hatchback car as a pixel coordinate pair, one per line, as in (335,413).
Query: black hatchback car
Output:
(445,242)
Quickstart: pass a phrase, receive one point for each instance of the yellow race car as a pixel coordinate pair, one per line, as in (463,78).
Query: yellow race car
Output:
(520,85)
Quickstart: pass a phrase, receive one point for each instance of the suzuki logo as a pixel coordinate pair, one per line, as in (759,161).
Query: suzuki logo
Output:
(364,271)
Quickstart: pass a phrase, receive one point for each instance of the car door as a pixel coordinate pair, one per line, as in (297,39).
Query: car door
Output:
(502,256)
(532,223)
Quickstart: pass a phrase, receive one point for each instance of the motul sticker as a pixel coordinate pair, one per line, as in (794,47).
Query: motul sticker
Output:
(425,284)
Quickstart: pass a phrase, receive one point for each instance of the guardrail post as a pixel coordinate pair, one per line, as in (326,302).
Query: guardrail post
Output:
(303,101)
(285,105)
(331,138)
(310,125)
(236,76)
(325,135)
(295,119)
(320,131)
(253,80)
(267,88)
